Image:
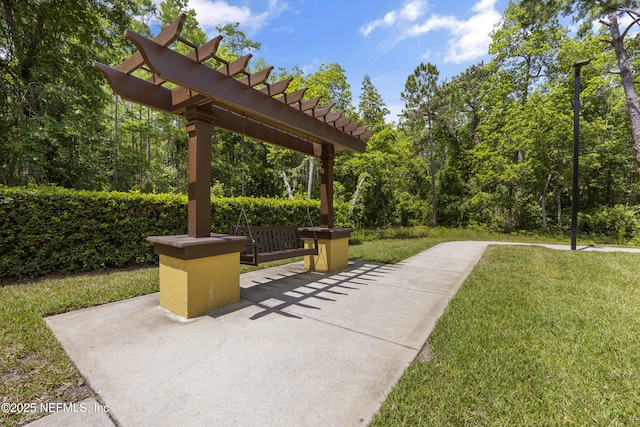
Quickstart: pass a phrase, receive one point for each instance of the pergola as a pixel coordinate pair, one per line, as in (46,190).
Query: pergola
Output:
(195,267)
(233,99)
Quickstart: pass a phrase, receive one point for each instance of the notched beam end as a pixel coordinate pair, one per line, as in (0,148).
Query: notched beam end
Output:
(342,122)
(236,67)
(135,89)
(257,78)
(205,51)
(276,88)
(366,135)
(310,103)
(332,117)
(167,36)
(322,111)
(293,97)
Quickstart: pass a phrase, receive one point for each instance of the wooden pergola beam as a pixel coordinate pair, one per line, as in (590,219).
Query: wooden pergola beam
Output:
(247,127)
(322,111)
(160,98)
(136,90)
(236,97)
(200,54)
(234,68)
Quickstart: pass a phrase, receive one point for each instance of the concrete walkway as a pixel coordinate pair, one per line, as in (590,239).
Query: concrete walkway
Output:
(300,349)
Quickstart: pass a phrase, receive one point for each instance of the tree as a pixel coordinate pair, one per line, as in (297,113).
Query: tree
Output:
(330,82)
(526,48)
(385,184)
(372,108)
(607,11)
(50,117)
(525,54)
(420,111)
(235,42)
(457,124)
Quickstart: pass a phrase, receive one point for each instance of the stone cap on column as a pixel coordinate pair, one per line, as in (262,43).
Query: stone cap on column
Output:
(326,233)
(185,247)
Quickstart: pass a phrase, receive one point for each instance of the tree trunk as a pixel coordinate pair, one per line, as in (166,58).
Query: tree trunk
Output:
(287,185)
(433,176)
(559,196)
(543,203)
(633,106)
(510,212)
(114,183)
(354,201)
(310,181)
(543,207)
(148,135)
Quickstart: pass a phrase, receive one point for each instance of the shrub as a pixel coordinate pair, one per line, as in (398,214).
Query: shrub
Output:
(52,229)
(620,221)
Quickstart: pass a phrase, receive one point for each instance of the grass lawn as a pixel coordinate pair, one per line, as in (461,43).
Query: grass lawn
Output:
(35,369)
(534,337)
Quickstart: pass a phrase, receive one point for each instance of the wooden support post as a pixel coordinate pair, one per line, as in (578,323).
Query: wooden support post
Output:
(200,129)
(326,186)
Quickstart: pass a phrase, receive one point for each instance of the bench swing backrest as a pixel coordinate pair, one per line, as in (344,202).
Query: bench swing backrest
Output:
(272,242)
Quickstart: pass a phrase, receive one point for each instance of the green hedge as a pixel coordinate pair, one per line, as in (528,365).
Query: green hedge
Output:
(51,229)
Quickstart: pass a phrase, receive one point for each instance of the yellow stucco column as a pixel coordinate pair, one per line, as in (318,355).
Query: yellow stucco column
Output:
(333,249)
(198,275)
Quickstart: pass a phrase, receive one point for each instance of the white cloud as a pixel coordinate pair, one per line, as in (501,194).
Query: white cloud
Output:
(470,38)
(435,22)
(410,12)
(211,13)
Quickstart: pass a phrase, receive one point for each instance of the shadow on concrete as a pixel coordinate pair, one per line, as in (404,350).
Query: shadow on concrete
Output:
(275,293)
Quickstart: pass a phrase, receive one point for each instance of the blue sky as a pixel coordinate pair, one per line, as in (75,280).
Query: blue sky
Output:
(384,39)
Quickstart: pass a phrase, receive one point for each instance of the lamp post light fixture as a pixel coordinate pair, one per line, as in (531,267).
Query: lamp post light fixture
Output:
(576,136)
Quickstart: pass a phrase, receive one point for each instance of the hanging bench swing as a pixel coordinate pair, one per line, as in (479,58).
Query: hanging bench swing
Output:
(269,242)
(273,242)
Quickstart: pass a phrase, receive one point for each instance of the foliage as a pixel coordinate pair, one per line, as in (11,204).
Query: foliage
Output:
(619,40)
(619,220)
(50,117)
(387,178)
(422,105)
(371,106)
(499,134)
(47,229)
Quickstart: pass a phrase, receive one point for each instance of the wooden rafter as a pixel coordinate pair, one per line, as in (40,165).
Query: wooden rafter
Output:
(310,103)
(322,111)
(257,78)
(276,88)
(165,38)
(293,97)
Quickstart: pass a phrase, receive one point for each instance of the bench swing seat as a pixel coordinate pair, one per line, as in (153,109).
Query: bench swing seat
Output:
(272,243)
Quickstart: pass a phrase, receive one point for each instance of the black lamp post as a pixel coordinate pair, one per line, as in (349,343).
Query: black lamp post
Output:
(576,136)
